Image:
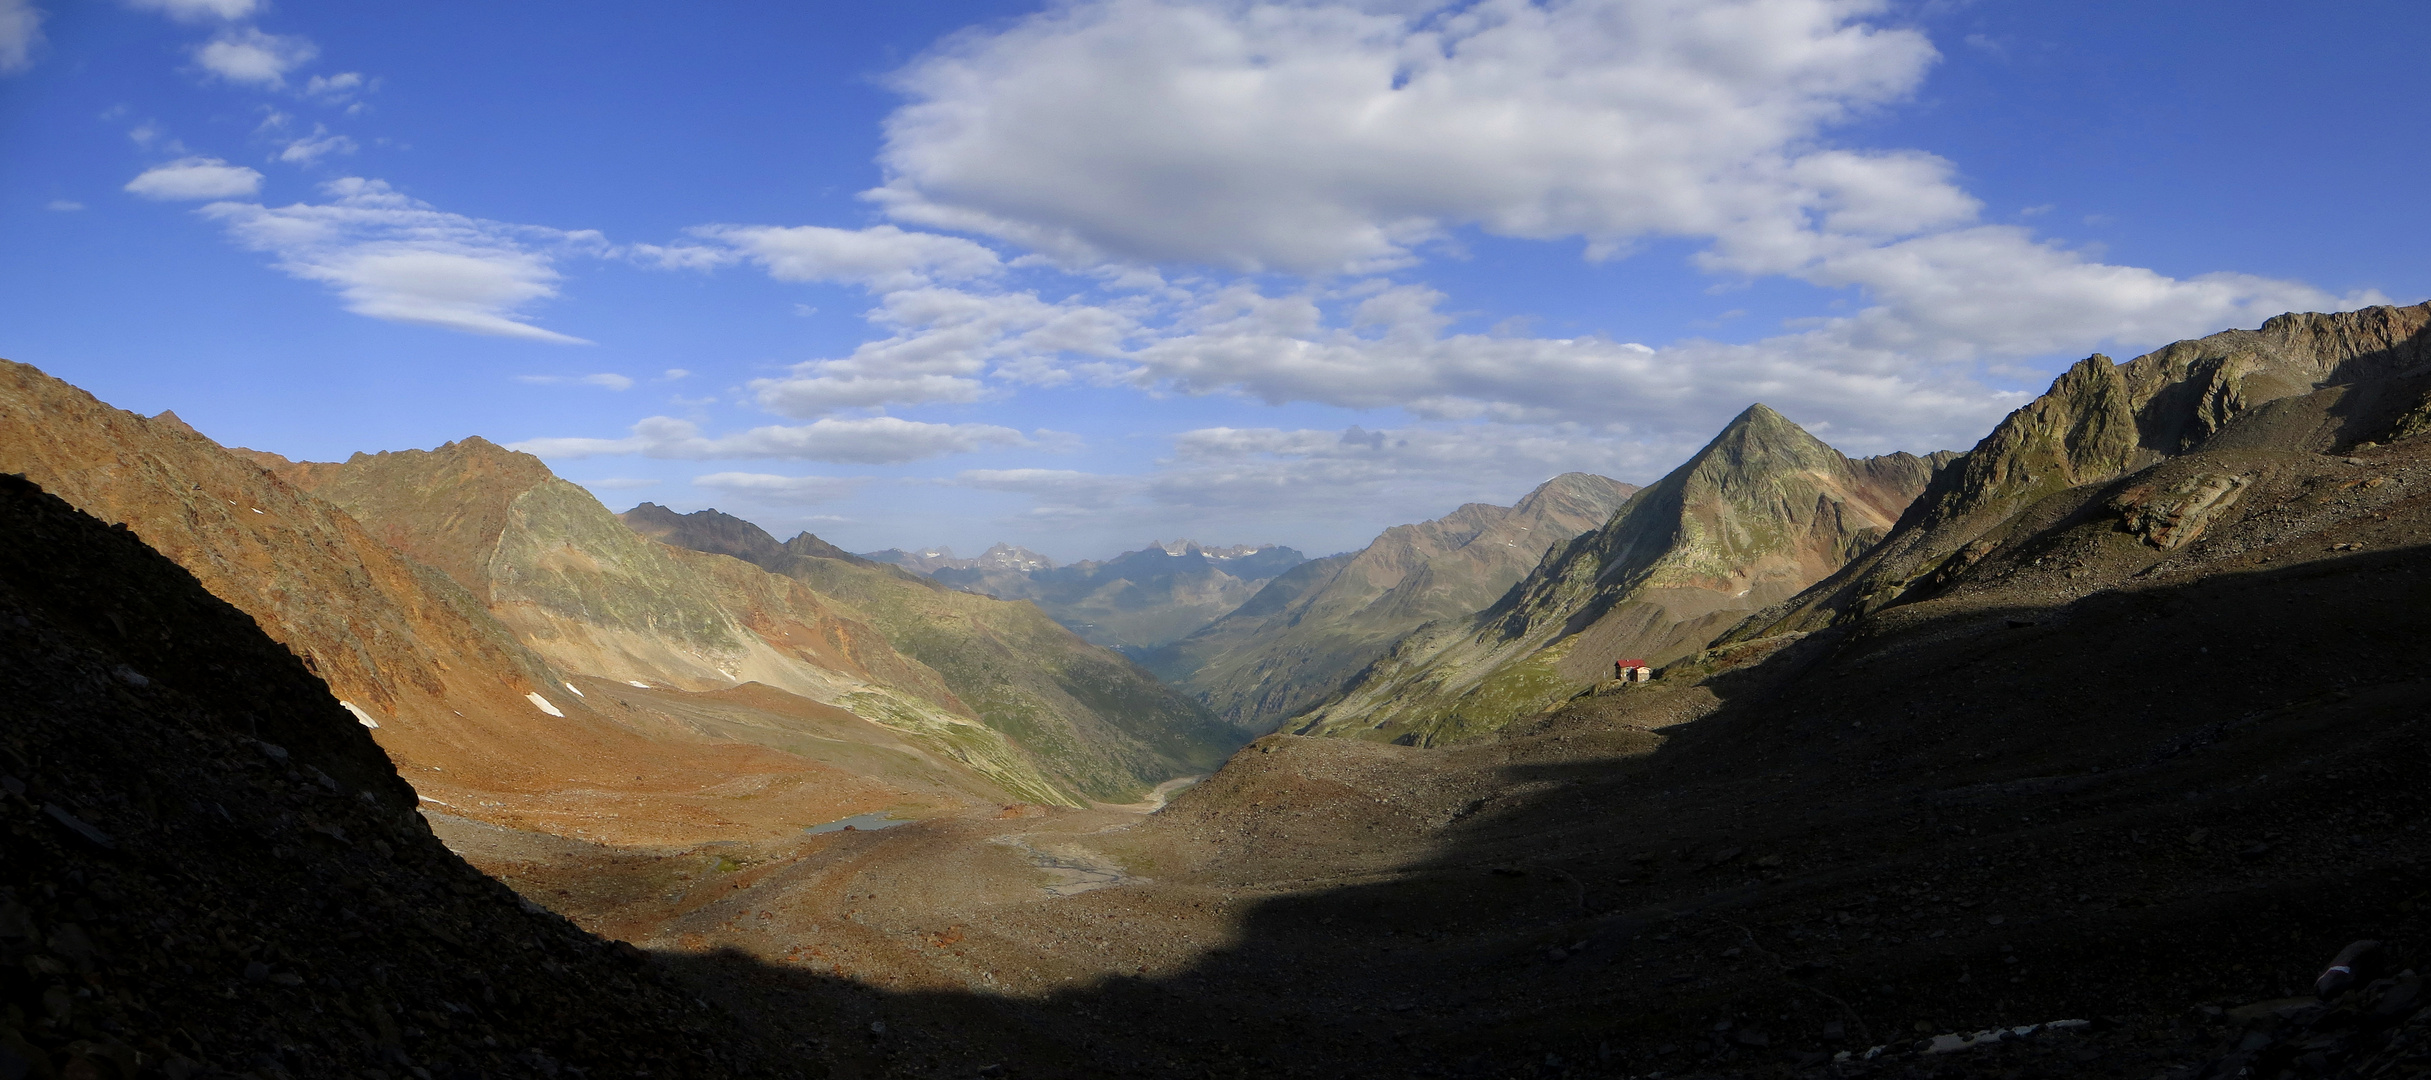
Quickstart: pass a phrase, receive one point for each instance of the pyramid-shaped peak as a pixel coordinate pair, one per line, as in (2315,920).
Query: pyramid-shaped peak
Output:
(1760,414)
(1761,440)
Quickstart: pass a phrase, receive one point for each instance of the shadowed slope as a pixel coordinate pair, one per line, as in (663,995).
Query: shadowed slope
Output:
(210,868)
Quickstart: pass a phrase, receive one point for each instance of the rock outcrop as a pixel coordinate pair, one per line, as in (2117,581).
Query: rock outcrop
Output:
(2303,383)
(1763,511)
(1316,625)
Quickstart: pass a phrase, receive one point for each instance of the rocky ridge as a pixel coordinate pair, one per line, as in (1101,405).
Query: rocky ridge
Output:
(2303,382)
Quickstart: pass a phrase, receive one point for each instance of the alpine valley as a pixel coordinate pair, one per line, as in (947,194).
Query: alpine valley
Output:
(2077,753)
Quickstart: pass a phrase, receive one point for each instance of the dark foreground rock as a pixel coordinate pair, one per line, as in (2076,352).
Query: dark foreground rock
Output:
(208,869)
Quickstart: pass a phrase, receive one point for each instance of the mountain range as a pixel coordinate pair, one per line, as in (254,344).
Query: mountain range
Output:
(528,658)
(1315,626)
(2080,753)
(1134,602)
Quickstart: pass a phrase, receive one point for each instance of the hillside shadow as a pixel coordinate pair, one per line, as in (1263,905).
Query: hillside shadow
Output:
(2129,804)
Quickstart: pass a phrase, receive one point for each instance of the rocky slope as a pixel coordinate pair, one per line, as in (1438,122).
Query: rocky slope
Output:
(1316,625)
(1763,511)
(209,869)
(1092,722)
(2302,383)
(476,720)
(580,588)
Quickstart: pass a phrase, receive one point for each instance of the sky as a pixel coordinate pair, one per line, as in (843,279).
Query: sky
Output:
(1080,275)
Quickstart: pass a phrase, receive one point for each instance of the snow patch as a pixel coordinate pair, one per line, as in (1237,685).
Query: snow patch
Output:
(542,703)
(361,717)
(643,685)
(577,690)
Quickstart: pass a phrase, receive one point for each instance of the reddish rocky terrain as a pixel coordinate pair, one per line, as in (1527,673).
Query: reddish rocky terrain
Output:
(450,686)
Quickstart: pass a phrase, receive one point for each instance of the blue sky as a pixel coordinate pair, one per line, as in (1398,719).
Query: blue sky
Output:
(1081,275)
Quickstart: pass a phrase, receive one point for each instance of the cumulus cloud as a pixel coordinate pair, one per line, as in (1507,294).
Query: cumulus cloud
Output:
(20,34)
(396,258)
(195,178)
(875,440)
(609,380)
(621,483)
(199,9)
(250,56)
(1321,137)
(767,487)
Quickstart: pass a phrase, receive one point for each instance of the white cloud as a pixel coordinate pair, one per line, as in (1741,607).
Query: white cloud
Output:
(786,489)
(250,56)
(63,205)
(882,257)
(20,35)
(875,440)
(609,380)
(621,483)
(1318,137)
(199,9)
(674,373)
(397,258)
(334,88)
(307,151)
(944,339)
(196,178)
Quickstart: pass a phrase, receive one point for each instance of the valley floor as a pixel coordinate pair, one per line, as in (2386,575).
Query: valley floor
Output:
(2107,783)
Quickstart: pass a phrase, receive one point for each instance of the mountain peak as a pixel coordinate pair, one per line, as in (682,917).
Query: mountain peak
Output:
(1760,440)
(704,530)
